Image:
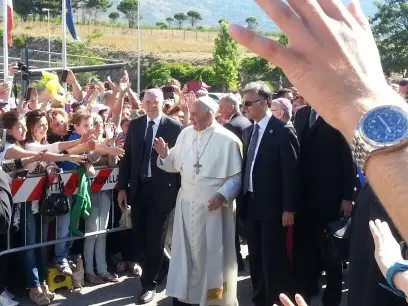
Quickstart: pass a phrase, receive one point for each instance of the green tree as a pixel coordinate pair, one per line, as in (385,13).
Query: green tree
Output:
(170,21)
(129,8)
(252,23)
(278,76)
(180,19)
(114,16)
(23,8)
(97,7)
(254,69)
(194,17)
(226,59)
(390,28)
(161,25)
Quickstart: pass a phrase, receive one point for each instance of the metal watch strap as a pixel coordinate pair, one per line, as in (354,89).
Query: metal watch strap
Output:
(360,150)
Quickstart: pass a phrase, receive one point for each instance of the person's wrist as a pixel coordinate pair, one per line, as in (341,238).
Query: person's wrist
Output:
(400,281)
(347,120)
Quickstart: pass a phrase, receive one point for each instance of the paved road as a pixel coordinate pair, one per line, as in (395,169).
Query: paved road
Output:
(126,292)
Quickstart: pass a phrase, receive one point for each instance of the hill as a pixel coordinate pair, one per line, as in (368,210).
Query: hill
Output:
(235,11)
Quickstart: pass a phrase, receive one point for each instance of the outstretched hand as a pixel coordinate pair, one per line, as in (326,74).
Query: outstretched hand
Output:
(287,302)
(387,249)
(331,56)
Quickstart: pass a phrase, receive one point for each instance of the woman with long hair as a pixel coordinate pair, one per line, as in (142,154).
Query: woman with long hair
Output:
(36,228)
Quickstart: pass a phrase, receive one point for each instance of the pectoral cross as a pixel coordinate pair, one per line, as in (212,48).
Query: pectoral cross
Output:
(197,166)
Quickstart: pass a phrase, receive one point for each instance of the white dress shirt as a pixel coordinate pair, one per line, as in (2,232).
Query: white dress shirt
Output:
(263,123)
(155,128)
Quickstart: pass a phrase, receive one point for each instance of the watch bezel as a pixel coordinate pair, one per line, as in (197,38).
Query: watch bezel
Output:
(401,140)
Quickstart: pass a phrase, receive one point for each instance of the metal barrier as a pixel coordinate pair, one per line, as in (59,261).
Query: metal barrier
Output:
(31,188)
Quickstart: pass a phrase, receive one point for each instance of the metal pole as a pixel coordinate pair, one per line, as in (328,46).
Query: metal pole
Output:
(5,43)
(49,38)
(64,34)
(139,46)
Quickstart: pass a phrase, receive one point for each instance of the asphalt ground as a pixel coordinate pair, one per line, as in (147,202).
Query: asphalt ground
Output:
(128,289)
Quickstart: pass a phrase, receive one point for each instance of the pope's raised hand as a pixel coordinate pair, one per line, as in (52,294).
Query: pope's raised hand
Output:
(161,147)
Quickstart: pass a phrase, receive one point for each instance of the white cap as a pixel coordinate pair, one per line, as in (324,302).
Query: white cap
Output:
(99,107)
(210,103)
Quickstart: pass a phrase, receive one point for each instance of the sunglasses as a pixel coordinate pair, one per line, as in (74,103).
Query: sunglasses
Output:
(249,103)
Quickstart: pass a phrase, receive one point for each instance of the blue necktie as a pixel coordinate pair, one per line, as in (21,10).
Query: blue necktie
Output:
(313,117)
(250,157)
(144,169)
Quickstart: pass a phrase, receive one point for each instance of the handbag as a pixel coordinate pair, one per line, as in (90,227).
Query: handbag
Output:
(54,204)
(336,242)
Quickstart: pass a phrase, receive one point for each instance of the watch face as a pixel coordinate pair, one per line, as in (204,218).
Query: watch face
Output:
(385,125)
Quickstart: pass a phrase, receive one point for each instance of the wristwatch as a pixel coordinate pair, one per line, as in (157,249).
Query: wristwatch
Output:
(382,129)
(396,267)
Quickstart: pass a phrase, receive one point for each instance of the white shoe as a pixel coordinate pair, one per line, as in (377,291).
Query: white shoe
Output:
(5,300)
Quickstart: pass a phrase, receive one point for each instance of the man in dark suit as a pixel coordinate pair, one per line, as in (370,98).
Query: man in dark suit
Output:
(236,123)
(229,110)
(271,189)
(327,181)
(150,191)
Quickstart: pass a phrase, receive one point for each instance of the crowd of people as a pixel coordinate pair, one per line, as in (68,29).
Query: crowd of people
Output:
(271,169)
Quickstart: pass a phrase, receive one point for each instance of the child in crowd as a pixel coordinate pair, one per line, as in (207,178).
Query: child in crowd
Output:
(103,155)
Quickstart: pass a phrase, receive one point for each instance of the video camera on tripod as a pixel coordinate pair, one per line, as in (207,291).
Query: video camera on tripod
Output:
(25,73)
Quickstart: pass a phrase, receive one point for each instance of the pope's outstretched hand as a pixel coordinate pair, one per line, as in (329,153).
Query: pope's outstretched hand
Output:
(161,147)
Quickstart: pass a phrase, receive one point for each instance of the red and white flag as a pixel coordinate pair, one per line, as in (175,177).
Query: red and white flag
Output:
(10,23)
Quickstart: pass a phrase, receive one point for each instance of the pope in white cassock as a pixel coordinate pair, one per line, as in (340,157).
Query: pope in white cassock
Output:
(203,266)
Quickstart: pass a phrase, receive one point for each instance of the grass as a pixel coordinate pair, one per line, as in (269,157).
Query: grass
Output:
(153,41)
(166,44)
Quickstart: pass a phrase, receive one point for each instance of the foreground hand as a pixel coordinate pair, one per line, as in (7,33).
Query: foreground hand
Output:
(71,79)
(288,218)
(118,152)
(39,157)
(346,208)
(90,135)
(112,85)
(387,249)
(161,147)
(122,199)
(287,302)
(216,202)
(120,141)
(5,90)
(76,159)
(331,57)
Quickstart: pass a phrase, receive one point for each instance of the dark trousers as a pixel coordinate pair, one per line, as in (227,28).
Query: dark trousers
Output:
(4,260)
(309,263)
(149,226)
(270,268)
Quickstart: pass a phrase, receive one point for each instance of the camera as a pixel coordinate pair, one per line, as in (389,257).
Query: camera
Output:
(22,67)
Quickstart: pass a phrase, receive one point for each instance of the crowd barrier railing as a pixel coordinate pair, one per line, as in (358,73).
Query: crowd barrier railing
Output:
(30,189)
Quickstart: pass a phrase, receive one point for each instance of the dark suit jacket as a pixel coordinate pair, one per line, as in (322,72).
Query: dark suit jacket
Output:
(327,168)
(237,124)
(275,174)
(365,275)
(165,184)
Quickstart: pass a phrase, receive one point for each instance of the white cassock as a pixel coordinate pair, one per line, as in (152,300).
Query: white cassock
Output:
(203,266)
